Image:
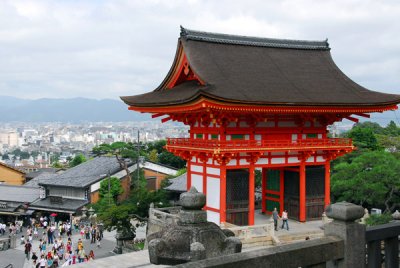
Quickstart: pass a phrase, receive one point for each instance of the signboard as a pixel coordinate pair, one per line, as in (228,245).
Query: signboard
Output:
(42,193)
(3,205)
(56,199)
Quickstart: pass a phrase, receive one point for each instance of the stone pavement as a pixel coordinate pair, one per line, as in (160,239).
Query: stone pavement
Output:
(17,257)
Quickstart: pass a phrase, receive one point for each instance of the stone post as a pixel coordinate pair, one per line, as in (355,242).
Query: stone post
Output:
(344,226)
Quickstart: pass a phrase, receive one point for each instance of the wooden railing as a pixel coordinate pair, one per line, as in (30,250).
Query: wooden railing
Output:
(257,145)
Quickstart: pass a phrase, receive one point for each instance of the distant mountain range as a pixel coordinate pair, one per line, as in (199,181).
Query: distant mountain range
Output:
(79,110)
(75,110)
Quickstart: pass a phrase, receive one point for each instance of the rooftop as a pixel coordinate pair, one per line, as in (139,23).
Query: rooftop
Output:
(86,173)
(23,194)
(237,70)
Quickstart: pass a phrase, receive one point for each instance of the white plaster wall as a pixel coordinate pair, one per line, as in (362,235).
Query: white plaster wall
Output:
(293,160)
(95,186)
(277,153)
(213,217)
(213,190)
(320,159)
(319,136)
(213,171)
(197,181)
(278,160)
(294,137)
(232,162)
(247,137)
(196,168)
(257,137)
(262,161)
(243,162)
(310,159)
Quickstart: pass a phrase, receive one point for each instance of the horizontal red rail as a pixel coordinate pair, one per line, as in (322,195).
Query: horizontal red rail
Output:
(237,145)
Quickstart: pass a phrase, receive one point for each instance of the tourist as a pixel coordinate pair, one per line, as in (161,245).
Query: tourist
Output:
(98,238)
(35,232)
(22,240)
(2,228)
(49,261)
(81,255)
(91,255)
(28,247)
(275,216)
(93,234)
(42,261)
(82,231)
(87,233)
(285,219)
(34,258)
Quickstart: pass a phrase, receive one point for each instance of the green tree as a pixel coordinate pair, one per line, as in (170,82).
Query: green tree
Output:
(57,164)
(153,155)
(122,151)
(363,138)
(115,187)
(165,157)
(77,160)
(391,129)
(371,179)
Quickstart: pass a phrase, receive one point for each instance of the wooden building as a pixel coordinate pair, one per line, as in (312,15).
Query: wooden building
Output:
(258,103)
(10,175)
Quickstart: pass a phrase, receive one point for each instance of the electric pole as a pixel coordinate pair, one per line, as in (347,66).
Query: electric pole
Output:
(109,187)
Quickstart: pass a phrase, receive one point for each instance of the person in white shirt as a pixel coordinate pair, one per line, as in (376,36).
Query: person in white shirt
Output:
(285,220)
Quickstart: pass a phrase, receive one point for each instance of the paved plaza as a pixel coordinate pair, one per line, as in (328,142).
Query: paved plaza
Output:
(17,258)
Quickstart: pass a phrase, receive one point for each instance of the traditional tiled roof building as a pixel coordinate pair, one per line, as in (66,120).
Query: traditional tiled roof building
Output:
(258,103)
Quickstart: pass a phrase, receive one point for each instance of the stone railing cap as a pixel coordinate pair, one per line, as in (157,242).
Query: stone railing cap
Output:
(344,211)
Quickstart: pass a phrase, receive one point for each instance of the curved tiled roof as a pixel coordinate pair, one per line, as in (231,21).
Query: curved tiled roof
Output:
(260,71)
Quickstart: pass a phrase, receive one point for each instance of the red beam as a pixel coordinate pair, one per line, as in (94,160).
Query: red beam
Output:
(352,119)
(165,119)
(363,115)
(157,115)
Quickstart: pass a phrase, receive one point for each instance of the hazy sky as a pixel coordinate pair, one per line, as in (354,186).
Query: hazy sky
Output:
(105,49)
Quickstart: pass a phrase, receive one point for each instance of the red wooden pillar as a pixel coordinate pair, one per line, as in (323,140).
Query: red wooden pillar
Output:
(263,190)
(281,189)
(302,192)
(327,183)
(222,195)
(189,175)
(251,194)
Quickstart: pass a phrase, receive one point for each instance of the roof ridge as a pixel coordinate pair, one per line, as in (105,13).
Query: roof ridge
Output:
(253,41)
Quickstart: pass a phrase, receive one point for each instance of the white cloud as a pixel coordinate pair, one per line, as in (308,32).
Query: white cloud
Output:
(104,49)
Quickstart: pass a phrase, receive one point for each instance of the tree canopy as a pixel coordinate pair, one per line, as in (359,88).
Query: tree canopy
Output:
(371,180)
(115,187)
(77,160)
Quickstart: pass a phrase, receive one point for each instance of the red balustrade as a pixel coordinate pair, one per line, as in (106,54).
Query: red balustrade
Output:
(256,145)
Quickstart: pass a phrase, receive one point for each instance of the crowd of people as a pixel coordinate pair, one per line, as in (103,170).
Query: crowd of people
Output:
(56,246)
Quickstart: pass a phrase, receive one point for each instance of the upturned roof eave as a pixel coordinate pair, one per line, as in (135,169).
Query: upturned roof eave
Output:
(204,96)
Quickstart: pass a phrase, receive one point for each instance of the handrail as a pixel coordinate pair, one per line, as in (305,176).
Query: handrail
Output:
(9,266)
(388,233)
(258,144)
